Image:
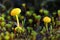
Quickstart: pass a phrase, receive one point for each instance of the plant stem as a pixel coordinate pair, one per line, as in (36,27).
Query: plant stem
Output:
(17,21)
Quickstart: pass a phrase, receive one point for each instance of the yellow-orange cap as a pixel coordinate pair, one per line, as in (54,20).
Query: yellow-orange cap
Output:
(47,19)
(15,11)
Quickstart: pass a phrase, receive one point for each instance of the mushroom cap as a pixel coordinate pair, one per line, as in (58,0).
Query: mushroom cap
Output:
(15,11)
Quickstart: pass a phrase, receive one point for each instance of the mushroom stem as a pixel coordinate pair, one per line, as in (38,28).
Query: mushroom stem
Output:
(17,21)
(46,26)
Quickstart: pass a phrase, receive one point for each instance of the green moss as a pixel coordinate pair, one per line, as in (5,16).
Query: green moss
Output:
(8,17)
(54,13)
(28,13)
(57,22)
(3,24)
(3,15)
(8,25)
(38,17)
(41,10)
(6,37)
(59,12)
(30,20)
(2,19)
(46,12)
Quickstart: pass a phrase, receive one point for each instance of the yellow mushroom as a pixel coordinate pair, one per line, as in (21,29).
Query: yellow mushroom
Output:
(47,19)
(15,11)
